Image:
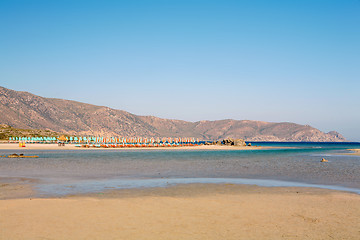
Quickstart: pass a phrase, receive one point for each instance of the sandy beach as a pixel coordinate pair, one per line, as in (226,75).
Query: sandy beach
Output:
(37,146)
(196,211)
(187,211)
(355,152)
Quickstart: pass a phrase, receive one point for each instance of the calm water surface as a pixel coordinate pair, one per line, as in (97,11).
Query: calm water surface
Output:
(76,171)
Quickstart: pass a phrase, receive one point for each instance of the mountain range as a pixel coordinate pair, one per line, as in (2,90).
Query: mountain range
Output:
(25,110)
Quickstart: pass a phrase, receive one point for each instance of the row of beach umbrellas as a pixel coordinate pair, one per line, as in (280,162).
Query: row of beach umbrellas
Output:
(105,139)
(33,139)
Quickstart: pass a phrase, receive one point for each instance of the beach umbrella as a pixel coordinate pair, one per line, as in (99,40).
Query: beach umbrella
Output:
(62,138)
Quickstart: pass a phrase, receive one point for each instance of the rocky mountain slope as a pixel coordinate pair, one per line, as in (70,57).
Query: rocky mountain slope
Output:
(26,110)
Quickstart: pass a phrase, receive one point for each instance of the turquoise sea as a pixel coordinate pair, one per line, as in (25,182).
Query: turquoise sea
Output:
(61,172)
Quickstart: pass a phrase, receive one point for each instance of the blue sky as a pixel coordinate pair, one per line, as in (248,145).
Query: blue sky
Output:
(279,61)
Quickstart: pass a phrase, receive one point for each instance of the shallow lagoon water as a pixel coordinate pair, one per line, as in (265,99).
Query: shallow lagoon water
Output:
(80,187)
(63,172)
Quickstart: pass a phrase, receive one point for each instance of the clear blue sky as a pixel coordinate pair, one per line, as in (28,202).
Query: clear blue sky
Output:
(296,61)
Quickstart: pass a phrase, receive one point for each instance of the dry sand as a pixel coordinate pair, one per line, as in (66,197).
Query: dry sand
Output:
(37,146)
(196,211)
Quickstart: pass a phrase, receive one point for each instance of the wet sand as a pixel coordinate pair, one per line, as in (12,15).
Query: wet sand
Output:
(11,188)
(195,211)
(37,146)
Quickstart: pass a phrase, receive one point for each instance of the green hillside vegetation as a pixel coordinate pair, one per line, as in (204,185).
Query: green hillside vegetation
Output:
(7,131)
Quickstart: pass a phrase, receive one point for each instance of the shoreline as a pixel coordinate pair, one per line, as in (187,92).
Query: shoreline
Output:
(38,146)
(356,152)
(190,211)
(25,187)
